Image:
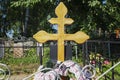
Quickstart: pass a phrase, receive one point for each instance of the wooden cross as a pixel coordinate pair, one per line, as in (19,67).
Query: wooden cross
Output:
(43,36)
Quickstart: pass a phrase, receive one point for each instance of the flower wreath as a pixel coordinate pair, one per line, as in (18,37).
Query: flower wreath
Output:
(63,69)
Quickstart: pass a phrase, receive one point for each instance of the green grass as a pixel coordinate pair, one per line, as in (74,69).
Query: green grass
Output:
(26,64)
(30,57)
(30,62)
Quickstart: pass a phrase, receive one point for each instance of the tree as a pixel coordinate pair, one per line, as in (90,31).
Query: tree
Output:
(94,14)
(4,5)
(89,15)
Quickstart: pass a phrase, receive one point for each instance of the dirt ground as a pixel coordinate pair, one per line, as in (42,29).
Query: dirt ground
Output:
(18,77)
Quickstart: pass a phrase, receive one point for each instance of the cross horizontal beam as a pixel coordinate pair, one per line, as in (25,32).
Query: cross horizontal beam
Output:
(78,37)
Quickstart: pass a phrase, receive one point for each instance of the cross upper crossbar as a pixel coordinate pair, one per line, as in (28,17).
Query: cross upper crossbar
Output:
(43,36)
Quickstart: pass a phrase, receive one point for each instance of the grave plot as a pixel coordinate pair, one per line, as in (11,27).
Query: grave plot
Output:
(63,66)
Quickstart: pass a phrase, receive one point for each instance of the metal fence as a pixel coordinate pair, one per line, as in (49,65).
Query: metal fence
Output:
(95,52)
(106,49)
(103,55)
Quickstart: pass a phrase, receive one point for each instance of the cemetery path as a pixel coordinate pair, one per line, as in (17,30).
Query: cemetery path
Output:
(18,76)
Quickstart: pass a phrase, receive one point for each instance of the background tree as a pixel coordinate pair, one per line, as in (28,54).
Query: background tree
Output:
(4,6)
(89,15)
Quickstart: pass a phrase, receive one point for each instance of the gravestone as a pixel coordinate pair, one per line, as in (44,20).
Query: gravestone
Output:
(18,50)
(2,52)
(53,52)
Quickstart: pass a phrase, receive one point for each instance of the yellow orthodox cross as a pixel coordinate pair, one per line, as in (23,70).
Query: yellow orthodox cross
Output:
(43,36)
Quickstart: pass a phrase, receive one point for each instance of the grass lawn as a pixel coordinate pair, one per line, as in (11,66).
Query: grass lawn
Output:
(30,62)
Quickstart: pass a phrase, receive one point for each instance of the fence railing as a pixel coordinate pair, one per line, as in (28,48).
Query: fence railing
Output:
(96,52)
(103,54)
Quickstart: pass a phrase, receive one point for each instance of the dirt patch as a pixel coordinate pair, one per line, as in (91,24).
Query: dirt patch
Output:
(23,69)
(18,72)
(18,77)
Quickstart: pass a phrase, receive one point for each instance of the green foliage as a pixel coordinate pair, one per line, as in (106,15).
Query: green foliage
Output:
(46,57)
(93,14)
(116,72)
(25,3)
(89,15)
(93,3)
(118,1)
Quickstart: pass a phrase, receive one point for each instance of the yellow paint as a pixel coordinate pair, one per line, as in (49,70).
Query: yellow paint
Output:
(43,36)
